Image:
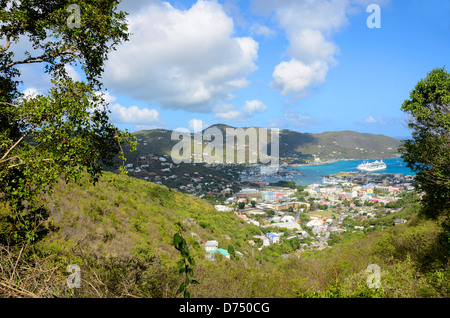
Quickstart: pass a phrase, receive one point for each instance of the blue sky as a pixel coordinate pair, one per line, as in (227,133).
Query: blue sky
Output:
(308,66)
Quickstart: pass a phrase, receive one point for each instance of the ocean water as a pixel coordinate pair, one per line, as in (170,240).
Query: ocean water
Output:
(315,173)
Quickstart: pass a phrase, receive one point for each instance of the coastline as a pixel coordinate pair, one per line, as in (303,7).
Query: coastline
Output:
(319,163)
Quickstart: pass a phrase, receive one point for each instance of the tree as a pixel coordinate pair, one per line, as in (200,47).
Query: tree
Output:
(232,251)
(185,264)
(65,133)
(428,152)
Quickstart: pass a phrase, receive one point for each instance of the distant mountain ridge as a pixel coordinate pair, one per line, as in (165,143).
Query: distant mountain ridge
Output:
(326,146)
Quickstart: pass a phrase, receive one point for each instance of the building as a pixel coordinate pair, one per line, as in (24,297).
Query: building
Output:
(264,239)
(273,238)
(295,206)
(269,196)
(287,225)
(211,246)
(221,251)
(399,221)
(223,208)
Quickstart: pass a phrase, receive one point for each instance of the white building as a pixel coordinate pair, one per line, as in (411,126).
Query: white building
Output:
(211,245)
(223,208)
(314,223)
(273,238)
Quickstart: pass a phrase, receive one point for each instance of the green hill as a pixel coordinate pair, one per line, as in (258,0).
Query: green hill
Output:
(125,217)
(119,232)
(352,145)
(327,145)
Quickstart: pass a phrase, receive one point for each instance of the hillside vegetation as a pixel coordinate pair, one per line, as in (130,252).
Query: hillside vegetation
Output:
(354,145)
(327,145)
(119,232)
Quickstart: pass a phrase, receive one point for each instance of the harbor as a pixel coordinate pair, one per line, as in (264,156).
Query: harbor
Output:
(343,170)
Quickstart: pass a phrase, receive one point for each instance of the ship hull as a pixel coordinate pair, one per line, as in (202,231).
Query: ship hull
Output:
(371,167)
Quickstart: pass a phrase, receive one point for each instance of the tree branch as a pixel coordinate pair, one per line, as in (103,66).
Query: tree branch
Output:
(18,141)
(8,104)
(37,59)
(9,159)
(8,44)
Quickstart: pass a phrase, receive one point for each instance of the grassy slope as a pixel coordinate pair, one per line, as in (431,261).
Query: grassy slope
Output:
(103,228)
(122,216)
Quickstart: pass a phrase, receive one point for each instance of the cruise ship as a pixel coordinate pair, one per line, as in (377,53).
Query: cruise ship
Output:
(372,166)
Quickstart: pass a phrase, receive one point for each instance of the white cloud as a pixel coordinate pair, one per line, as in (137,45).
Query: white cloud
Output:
(296,77)
(380,121)
(309,46)
(182,59)
(107,97)
(259,29)
(73,74)
(230,113)
(370,120)
(140,118)
(292,118)
(308,26)
(254,106)
(30,93)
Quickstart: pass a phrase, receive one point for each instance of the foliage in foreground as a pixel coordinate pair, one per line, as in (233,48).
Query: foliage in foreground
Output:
(428,152)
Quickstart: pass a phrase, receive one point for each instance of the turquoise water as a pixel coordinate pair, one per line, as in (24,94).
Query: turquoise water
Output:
(314,174)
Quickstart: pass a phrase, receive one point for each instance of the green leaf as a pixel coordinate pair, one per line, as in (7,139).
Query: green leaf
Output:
(181,288)
(180,264)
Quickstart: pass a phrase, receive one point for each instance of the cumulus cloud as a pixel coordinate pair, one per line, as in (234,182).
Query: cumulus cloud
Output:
(182,59)
(309,26)
(72,73)
(30,93)
(380,121)
(262,30)
(134,115)
(140,118)
(370,120)
(230,113)
(107,97)
(296,77)
(254,106)
(292,118)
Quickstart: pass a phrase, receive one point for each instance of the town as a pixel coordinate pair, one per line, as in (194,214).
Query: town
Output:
(316,215)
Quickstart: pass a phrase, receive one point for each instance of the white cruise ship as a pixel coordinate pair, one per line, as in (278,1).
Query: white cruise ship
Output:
(372,166)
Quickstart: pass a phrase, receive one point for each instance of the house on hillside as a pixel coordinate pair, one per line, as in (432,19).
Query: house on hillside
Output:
(221,251)
(273,238)
(211,246)
(399,221)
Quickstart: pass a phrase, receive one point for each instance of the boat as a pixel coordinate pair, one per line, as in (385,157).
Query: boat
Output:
(372,166)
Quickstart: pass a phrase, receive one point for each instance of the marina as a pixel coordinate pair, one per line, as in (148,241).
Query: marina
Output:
(305,175)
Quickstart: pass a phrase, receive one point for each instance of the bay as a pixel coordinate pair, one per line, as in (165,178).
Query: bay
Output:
(314,173)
